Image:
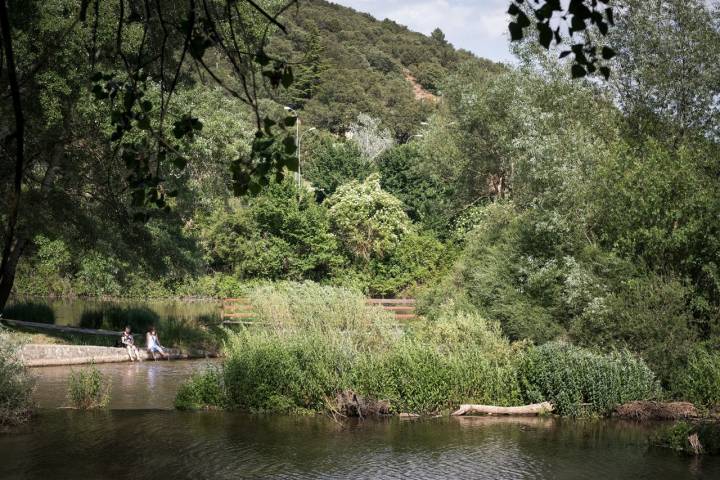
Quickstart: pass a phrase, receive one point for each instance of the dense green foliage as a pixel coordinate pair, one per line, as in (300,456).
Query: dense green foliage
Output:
(16,384)
(577,381)
(316,343)
(88,388)
(202,390)
(700,381)
(558,209)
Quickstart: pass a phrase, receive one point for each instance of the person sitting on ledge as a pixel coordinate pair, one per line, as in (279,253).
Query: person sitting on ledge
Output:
(153,344)
(129,342)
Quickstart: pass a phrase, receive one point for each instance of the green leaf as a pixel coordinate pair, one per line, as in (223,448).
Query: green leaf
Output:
(516,32)
(578,71)
(608,53)
(545,35)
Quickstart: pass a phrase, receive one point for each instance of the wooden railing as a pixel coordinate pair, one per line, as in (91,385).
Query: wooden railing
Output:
(404,308)
(239,311)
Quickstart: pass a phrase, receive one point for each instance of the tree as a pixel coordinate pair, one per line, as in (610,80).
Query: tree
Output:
(368,221)
(370,137)
(668,66)
(573,25)
(152,43)
(332,162)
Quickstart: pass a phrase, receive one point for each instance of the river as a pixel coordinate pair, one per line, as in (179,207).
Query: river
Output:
(141,437)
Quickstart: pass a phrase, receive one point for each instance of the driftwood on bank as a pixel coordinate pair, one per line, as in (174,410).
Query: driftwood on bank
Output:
(534,409)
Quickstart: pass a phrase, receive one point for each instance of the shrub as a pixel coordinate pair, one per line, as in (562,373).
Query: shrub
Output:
(88,389)
(649,315)
(369,221)
(201,391)
(189,333)
(272,372)
(98,275)
(30,312)
(283,234)
(699,381)
(16,385)
(331,163)
(415,260)
(304,364)
(414,376)
(579,382)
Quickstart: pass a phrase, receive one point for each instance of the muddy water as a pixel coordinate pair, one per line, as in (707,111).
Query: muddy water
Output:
(140,438)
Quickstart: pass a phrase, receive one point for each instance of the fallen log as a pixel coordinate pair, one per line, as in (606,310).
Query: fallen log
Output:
(534,409)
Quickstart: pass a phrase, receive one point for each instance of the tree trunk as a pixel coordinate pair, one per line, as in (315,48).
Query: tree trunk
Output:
(13,245)
(534,409)
(8,268)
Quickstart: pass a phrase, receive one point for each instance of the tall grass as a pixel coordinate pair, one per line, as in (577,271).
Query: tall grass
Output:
(580,382)
(699,382)
(88,389)
(315,345)
(203,390)
(16,384)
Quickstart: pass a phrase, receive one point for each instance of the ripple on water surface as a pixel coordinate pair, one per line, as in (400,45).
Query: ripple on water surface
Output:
(143,444)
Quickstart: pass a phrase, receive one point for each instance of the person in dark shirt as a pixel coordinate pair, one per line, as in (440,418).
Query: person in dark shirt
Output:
(129,342)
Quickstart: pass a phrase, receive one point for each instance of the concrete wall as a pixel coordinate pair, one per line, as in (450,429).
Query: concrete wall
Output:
(35,355)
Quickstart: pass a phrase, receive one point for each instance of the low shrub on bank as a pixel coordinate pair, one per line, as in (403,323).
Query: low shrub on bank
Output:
(309,357)
(699,382)
(16,385)
(88,389)
(92,319)
(579,382)
(203,390)
(30,312)
(271,371)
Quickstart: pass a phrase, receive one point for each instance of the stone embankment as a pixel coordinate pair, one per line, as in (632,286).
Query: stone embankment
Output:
(34,355)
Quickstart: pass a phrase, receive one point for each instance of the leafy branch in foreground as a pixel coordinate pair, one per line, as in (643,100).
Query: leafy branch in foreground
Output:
(572,26)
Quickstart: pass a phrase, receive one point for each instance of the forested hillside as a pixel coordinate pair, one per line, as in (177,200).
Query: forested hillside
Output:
(581,210)
(352,75)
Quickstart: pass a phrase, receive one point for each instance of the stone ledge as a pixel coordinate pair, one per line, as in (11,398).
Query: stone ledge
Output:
(36,355)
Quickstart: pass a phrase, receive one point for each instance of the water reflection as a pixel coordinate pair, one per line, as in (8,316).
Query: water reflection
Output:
(156,444)
(69,311)
(149,444)
(143,385)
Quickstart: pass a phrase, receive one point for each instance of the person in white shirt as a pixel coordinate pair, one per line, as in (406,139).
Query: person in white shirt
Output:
(153,344)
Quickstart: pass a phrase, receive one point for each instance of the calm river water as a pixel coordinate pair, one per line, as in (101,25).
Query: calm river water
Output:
(141,438)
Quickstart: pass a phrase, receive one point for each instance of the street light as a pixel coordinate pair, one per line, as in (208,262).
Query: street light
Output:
(298,137)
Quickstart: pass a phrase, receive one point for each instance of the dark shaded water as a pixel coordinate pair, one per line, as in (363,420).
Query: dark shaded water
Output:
(138,443)
(143,444)
(68,311)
